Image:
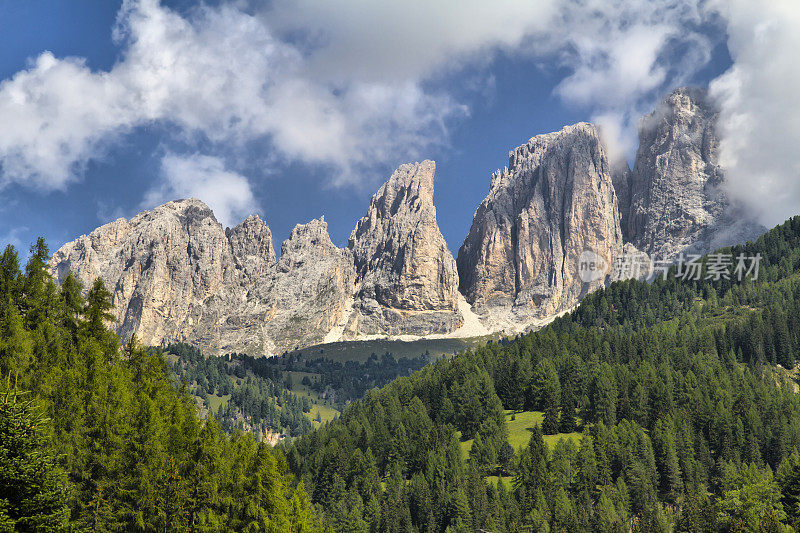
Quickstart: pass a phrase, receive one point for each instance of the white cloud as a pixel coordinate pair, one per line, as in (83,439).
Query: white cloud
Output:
(389,42)
(55,116)
(346,85)
(760,115)
(621,55)
(227,193)
(220,73)
(625,55)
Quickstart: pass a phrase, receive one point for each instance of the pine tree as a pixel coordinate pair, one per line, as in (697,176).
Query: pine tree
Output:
(605,398)
(36,285)
(566,423)
(532,469)
(72,304)
(97,311)
(547,389)
(10,275)
(34,491)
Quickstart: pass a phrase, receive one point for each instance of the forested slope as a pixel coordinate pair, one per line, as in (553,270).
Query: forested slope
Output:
(688,422)
(94,437)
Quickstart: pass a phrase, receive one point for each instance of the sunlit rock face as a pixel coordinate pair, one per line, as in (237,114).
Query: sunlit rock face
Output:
(558,208)
(406,274)
(553,202)
(162,267)
(177,275)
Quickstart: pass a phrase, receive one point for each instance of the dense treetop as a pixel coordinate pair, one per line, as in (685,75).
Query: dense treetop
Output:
(98,437)
(687,421)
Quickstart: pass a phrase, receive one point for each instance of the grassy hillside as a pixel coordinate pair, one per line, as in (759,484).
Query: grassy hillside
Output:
(520,428)
(360,351)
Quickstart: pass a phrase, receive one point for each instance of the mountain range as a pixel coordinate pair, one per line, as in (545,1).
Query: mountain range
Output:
(176,274)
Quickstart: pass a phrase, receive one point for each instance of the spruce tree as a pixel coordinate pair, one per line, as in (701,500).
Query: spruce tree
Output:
(34,490)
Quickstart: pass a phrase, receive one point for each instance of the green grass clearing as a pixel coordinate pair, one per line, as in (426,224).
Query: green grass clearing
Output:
(297,380)
(519,431)
(361,350)
(215,402)
(326,414)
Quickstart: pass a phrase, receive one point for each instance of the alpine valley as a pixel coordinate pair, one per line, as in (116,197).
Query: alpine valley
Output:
(668,404)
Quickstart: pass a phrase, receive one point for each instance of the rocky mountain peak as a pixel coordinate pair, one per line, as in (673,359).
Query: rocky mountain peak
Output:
(410,187)
(401,258)
(176,274)
(306,241)
(408,191)
(676,198)
(251,245)
(554,201)
(159,266)
(188,211)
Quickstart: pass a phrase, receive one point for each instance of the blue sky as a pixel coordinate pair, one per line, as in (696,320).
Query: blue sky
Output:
(294,110)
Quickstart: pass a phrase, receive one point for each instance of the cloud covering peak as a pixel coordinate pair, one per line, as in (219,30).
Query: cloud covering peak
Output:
(760,108)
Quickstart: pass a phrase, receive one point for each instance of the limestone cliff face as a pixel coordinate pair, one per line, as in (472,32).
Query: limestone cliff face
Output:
(621,177)
(177,275)
(251,245)
(309,292)
(554,201)
(402,261)
(677,201)
(160,267)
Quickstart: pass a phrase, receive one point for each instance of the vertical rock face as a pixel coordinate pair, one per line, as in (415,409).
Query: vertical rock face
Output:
(676,201)
(160,267)
(402,261)
(251,245)
(294,302)
(177,275)
(555,200)
(311,289)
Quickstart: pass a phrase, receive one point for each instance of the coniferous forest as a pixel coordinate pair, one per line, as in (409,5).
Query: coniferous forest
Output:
(689,419)
(97,437)
(665,406)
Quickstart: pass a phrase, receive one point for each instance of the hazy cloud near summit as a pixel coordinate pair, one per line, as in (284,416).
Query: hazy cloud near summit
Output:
(760,108)
(355,85)
(227,193)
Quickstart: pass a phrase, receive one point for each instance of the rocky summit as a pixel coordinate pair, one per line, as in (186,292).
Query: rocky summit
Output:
(677,199)
(162,267)
(408,280)
(553,202)
(177,275)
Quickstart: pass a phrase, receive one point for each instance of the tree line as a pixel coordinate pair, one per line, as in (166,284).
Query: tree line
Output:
(99,437)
